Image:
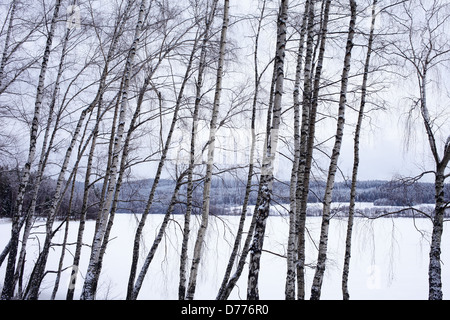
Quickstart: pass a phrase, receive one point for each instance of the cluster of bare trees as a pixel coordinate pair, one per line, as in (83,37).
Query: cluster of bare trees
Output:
(104,91)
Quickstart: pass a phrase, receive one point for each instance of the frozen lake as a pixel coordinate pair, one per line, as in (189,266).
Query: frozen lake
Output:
(389,258)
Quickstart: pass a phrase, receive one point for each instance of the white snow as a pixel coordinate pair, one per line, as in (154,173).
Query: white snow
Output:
(389,258)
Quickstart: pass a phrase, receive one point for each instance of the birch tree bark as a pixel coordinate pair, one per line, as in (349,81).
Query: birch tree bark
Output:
(293,223)
(209,19)
(4,60)
(190,171)
(323,244)
(304,165)
(133,288)
(251,230)
(351,212)
(118,31)
(47,145)
(88,292)
(434,269)
(257,78)
(425,49)
(8,288)
(190,292)
(269,157)
(39,268)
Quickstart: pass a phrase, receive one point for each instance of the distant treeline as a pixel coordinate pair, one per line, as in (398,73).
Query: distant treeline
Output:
(225,193)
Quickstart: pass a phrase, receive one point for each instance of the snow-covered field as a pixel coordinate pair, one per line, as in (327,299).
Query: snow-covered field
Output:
(389,258)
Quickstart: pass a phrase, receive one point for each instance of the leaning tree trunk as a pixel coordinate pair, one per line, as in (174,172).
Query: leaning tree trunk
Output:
(237,242)
(88,292)
(269,157)
(131,291)
(323,244)
(45,153)
(226,291)
(210,161)
(87,184)
(162,229)
(351,212)
(190,171)
(8,287)
(4,60)
(39,268)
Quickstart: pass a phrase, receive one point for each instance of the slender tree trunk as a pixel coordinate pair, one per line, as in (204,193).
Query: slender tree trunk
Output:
(251,230)
(87,184)
(84,207)
(209,18)
(131,291)
(303,168)
(4,60)
(310,99)
(269,157)
(351,212)
(8,288)
(88,292)
(250,174)
(66,235)
(45,153)
(157,241)
(323,244)
(39,268)
(210,162)
(292,239)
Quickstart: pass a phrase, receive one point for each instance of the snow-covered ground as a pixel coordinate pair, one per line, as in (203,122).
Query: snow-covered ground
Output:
(389,258)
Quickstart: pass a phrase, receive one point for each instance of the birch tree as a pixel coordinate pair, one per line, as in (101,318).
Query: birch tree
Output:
(88,292)
(425,48)
(208,20)
(322,255)
(269,156)
(4,60)
(118,29)
(292,255)
(210,162)
(134,286)
(311,91)
(225,286)
(8,288)
(351,213)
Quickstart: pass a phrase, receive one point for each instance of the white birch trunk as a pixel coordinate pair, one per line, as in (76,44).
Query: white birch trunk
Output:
(209,18)
(303,169)
(45,153)
(8,288)
(323,244)
(132,290)
(434,268)
(293,223)
(88,292)
(4,59)
(269,156)
(250,234)
(190,292)
(348,241)
(39,269)
(222,291)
